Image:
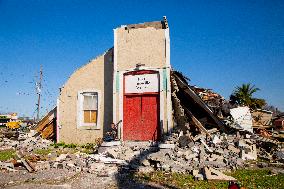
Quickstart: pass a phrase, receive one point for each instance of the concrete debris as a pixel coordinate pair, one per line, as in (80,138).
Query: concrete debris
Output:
(110,144)
(25,141)
(184,140)
(199,155)
(28,165)
(6,166)
(42,165)
(280,154)
(249,153)
(166,146)
(201,144)
(205,145)
(186,154)
(213,174)
(216,140)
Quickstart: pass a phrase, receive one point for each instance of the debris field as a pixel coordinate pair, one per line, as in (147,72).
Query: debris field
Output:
(201,144)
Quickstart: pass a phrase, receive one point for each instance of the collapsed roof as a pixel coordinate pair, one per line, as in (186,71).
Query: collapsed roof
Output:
(189,107)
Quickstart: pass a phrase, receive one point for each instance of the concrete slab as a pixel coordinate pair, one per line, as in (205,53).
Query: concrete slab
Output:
(213,174)
(112,143)
(166,146)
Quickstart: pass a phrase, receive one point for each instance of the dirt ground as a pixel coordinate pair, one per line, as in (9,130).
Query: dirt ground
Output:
(60,179)
(54,179)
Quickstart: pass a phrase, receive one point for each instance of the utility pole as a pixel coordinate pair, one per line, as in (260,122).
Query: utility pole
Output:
(38,88)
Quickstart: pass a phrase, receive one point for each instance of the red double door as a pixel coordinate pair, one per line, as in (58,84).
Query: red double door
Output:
(141,117)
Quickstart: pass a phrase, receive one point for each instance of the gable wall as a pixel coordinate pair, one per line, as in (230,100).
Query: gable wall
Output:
(95,75)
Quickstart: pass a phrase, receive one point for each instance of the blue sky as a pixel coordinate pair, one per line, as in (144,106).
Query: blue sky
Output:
(217,44)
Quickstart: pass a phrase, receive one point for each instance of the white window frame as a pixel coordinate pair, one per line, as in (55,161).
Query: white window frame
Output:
(80,114)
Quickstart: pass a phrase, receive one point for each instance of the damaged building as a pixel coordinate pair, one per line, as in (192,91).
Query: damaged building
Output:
(133,88)
(132,93)
(129,85)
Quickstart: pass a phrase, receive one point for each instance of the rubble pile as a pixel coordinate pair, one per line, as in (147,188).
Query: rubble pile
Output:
(26,145)
(200,155)
(224,152)
(205,155)
(185,154)
(211,98)
(24,141)
(81,162)
(200,144)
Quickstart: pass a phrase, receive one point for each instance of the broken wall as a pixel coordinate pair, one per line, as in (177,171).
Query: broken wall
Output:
(146,44)
(140,46)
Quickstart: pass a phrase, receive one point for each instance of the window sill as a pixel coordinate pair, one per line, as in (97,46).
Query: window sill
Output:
(88,127)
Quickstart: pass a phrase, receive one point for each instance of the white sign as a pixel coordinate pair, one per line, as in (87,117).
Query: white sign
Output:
(141,83)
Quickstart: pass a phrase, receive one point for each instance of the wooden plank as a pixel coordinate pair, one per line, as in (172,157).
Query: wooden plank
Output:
(87,116)
(48,132)
(196,122)
(28,165)
(93,116)
(188,91)
(42,124)
(46,120)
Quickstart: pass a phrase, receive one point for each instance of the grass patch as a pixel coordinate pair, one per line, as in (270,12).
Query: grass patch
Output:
(57,145)
(259,178)
(250,179)
(177,180)
(42,151)
(7,154)
(89,146)
(87,151)
(86,148)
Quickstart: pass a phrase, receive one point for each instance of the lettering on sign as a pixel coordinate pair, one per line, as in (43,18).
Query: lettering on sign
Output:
(141,83)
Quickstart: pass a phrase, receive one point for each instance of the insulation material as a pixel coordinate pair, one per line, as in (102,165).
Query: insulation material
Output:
(242,117)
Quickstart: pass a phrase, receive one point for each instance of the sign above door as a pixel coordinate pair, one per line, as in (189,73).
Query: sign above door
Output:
(145,83)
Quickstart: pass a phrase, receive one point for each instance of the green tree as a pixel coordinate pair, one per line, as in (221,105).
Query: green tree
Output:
(243,95)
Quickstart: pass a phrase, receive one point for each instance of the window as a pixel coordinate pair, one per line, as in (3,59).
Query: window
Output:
(88,109)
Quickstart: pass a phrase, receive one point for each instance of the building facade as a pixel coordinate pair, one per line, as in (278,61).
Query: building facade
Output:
(129,85)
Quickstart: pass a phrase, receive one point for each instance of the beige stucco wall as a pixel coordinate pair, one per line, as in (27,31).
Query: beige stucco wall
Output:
(140,46)
(146,45)
(97,74)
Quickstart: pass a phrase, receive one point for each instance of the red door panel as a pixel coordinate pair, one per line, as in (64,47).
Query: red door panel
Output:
(141,117)
(131,117)
(150,120)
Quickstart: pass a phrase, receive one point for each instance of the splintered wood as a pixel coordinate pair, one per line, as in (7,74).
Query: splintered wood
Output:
(47,125)
(28,165)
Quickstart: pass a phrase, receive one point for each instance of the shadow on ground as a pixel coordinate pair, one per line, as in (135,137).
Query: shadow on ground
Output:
(125,176)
